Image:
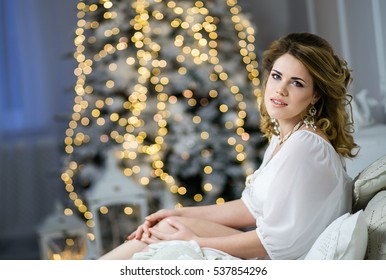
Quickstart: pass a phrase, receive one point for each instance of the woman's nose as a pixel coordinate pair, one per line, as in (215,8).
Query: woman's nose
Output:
(281,91)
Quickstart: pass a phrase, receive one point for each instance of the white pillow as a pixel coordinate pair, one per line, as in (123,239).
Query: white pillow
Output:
(375,216)
(344,239)
(369,182)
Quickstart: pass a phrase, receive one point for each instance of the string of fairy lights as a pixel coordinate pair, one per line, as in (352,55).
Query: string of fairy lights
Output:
(151,68)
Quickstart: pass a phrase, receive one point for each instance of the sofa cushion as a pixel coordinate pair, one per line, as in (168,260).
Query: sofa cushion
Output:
(369,182)
(375,216)
(344,239)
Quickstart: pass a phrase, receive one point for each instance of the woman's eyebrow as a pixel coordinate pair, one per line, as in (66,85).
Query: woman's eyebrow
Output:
(293,78)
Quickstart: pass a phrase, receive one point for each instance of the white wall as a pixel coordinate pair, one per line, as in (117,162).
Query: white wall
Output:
(275,18)
(355,27)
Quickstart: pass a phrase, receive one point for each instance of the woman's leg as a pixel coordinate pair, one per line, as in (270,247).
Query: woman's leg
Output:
(125,251)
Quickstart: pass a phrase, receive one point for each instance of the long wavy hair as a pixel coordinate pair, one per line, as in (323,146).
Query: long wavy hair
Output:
(331,77)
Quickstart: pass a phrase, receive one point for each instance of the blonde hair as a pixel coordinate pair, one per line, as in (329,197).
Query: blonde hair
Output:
(331,78)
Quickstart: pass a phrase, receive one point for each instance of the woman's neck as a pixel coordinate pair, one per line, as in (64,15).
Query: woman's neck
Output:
(287,130)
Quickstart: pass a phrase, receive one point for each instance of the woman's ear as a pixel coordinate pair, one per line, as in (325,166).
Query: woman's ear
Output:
(315,98)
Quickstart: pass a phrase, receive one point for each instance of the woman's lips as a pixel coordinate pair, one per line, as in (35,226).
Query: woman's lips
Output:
(278,102)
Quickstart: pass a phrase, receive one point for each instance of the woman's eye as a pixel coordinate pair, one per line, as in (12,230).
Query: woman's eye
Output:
(275,76)
(297,84)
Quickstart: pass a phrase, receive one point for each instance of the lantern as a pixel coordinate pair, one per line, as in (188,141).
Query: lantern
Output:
(118,205)
(63,237)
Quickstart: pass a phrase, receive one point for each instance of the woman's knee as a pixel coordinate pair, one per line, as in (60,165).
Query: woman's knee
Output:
(164,226)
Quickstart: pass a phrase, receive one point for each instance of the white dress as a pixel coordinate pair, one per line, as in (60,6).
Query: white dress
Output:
(297,193)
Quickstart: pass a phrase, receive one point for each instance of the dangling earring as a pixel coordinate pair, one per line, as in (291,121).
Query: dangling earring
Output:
(275,127)
(309,120)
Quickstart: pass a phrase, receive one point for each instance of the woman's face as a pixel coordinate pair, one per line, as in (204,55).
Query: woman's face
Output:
(289,91)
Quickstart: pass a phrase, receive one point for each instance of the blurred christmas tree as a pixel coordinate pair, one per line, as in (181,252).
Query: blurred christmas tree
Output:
(173,85)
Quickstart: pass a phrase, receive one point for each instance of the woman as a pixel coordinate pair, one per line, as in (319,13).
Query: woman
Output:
(301,186)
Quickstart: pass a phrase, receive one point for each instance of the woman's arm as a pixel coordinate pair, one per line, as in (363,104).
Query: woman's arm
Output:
(232,214)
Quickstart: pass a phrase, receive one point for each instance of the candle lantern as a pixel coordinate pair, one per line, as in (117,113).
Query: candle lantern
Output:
(63,237)
(118,205)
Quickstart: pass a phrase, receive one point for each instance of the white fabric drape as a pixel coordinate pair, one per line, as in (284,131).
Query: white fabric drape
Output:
(36,82)
(23,104)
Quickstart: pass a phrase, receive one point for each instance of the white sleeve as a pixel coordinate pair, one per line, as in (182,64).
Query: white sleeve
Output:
(307,192)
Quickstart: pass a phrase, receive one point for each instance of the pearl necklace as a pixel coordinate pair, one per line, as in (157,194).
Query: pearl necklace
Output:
(285,138)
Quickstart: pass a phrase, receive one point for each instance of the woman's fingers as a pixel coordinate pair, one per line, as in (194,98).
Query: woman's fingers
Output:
(146,225)
(137,234)
(132,235)
(158,235)
(178,234)
(140,231)
(150,222)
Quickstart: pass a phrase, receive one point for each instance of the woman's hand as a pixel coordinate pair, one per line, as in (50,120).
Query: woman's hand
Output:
(182,232)
(138,233)
(150,221)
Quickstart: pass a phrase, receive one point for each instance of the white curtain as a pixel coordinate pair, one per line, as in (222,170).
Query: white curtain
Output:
(24,98)
(36,84)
